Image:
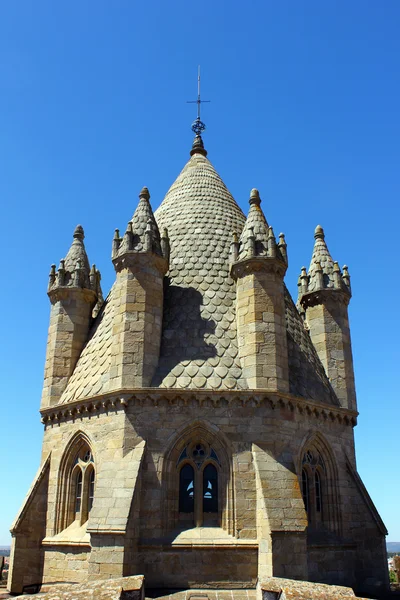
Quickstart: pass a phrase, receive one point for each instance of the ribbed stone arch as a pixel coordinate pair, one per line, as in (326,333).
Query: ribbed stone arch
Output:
(199,431)
(316,441)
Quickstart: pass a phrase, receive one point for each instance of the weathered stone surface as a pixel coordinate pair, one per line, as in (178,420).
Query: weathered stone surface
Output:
(123,588)
(287,589)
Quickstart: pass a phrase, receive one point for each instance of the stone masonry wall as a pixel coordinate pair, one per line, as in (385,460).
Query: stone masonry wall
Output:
(130,444)
(70,318)
(330,334)
(138,298)
(26,560)
(261,324)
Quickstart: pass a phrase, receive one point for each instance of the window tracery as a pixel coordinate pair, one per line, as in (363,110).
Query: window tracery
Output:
(312,474)
(318,483)
(198,483)
(77,485)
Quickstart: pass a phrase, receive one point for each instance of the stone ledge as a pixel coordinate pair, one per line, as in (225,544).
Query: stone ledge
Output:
(122,588)
(275,588)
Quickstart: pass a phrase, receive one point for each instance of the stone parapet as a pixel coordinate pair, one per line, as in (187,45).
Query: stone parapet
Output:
(122,588)
(275,588)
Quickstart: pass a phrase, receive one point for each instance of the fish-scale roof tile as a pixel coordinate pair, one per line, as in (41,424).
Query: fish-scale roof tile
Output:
(199,338)
(200,298)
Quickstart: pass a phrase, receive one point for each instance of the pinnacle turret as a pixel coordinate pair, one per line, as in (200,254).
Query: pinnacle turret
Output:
(324,295)
(258,238)
(258,265)
(142,233)
(75,295)
(324,272)
(74,270)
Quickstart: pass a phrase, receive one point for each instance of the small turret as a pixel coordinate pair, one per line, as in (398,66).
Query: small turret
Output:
(258,264)
(141,260)
(324,295)
(74,291)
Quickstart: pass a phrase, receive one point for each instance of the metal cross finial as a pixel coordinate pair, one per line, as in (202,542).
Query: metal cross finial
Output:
(198,126)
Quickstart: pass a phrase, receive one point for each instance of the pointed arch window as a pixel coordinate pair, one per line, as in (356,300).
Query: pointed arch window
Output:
(77,485)
(312,475)
(198,466)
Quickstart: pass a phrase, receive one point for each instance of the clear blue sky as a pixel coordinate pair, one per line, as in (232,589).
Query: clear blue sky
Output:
(305,107)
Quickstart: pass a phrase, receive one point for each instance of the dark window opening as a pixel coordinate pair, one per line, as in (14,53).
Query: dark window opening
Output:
(78,493)
(305,490)
(186,489)
(91,490)
(210,489)
(318,494)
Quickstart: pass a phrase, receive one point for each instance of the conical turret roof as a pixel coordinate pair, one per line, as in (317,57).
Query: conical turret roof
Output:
(256,225)
(199,345)
(77,252)
(143,216)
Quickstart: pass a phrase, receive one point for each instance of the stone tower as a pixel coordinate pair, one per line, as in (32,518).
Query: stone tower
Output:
(324,295)
(73,291)
(198,426)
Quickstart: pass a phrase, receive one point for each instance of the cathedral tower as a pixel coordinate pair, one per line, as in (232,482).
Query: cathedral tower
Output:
(198,426)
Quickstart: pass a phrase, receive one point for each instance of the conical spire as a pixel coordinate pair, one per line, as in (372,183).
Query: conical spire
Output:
(142,232)
(320,272)
(74,270)
(256,228)
(324,272)
(77,252)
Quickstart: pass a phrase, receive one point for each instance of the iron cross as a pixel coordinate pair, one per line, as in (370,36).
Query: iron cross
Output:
(198,125)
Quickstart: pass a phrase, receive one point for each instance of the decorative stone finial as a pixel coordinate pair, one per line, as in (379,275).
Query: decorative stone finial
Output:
(271,243)
(198,146)
(234,250)
(165,247)
(336,275)
(255,197)
(304,280)
(144,193)
(52,276)
(319,233)
(346,276)
(282,245)
(79,234)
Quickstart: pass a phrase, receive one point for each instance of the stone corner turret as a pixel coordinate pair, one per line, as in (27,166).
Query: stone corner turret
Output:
(324,295)
(75,293)
(141,259)
(258,264)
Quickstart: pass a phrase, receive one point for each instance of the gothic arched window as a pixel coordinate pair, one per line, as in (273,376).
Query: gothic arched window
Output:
(77,484)
(198,484)
(312,476)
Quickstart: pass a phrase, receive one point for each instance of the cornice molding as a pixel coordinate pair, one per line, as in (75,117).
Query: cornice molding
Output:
(326,296)
(117,402)
(257,264)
